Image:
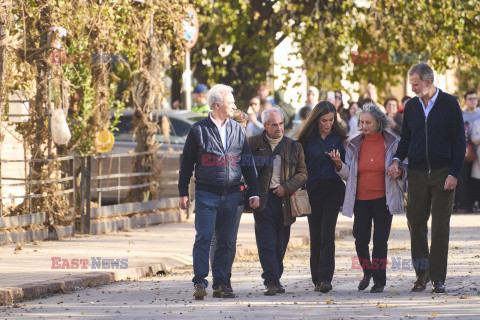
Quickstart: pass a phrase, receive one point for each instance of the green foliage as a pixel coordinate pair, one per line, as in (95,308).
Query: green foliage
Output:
(446,31)
(328,31)
(253,29)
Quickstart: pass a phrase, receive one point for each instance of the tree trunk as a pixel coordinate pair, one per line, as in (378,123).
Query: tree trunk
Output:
(4,20)
(38,138)
(146,130)
(100,118)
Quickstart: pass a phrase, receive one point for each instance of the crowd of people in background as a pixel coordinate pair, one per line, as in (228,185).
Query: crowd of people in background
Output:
(467,197)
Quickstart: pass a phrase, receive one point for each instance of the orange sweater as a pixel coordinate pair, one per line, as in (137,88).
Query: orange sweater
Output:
(371,168)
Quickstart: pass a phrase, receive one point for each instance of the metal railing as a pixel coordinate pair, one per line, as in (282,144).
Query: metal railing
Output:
(93,171)
(89,178)
(66,177)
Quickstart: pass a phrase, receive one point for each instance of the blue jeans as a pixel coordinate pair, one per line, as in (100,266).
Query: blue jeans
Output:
(217,212)
(213,246)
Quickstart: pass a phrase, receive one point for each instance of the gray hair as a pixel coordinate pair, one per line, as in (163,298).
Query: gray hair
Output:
(383,122)
(266,113)
(215,94)
(423,70)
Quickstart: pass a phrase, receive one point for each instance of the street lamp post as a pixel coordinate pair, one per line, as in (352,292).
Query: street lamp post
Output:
(190,27)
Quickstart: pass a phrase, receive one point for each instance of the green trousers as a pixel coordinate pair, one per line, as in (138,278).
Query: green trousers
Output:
(425,194)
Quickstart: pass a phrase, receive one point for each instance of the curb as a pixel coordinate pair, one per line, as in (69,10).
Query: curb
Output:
(42,289)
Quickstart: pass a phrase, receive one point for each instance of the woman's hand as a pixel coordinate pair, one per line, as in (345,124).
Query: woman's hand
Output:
(335,156)
(396,175)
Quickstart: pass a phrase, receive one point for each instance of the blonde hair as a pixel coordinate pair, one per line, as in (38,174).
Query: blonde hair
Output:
(239,116)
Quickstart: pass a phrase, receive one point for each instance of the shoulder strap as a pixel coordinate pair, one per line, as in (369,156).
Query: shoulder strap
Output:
(278,149)
(275,152)
(292,150)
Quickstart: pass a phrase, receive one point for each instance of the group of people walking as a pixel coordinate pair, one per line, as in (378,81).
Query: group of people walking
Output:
(365,178)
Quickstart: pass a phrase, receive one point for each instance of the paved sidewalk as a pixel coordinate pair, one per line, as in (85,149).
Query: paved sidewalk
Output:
(170,297)
(27,273)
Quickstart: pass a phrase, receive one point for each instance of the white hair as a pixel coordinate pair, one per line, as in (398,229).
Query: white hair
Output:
(216,94)
(266,113)
(383,122)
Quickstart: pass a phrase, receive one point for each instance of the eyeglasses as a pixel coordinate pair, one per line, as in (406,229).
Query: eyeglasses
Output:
(338,97)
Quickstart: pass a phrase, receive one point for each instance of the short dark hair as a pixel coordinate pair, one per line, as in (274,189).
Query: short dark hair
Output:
(304,113)
(390,99)
(424,71)
(469,93)
(405,99)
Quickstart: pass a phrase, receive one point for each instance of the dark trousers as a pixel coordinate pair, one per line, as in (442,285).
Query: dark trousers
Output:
(425,193)
(272,239)
(463,193)
(365,211)
(325,200)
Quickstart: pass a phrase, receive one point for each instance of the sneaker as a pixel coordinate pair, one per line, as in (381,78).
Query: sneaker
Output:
(377,288)
(199,291)
(222,291)
(270,289)
(438,287)
(280,288)
(325,287)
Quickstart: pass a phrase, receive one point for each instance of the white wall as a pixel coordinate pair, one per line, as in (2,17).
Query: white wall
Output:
(286,55)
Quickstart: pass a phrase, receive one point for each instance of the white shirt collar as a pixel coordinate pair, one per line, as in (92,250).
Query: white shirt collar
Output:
(430,103)
(218,124)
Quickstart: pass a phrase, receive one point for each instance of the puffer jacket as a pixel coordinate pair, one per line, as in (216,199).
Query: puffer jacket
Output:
(262,152)
(349,173)
(217,170)
(475,136)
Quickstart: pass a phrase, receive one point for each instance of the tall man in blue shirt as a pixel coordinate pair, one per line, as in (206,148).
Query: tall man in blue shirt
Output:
(433,138)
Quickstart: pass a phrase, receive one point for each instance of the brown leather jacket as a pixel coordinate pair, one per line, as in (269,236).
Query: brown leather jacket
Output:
(261,149)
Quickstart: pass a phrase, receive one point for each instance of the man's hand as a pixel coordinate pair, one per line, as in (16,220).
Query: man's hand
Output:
(184,203)
(450,183)
(396,175)
(279,191)
(254,203)
(394,169)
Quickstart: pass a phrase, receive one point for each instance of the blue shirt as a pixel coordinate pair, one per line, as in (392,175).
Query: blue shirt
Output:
(319,165)
(430,103)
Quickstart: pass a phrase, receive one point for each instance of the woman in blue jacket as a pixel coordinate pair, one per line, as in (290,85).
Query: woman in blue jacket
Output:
(320,136)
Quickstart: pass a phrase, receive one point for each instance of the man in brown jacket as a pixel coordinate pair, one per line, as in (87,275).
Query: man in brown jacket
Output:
(274,156)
